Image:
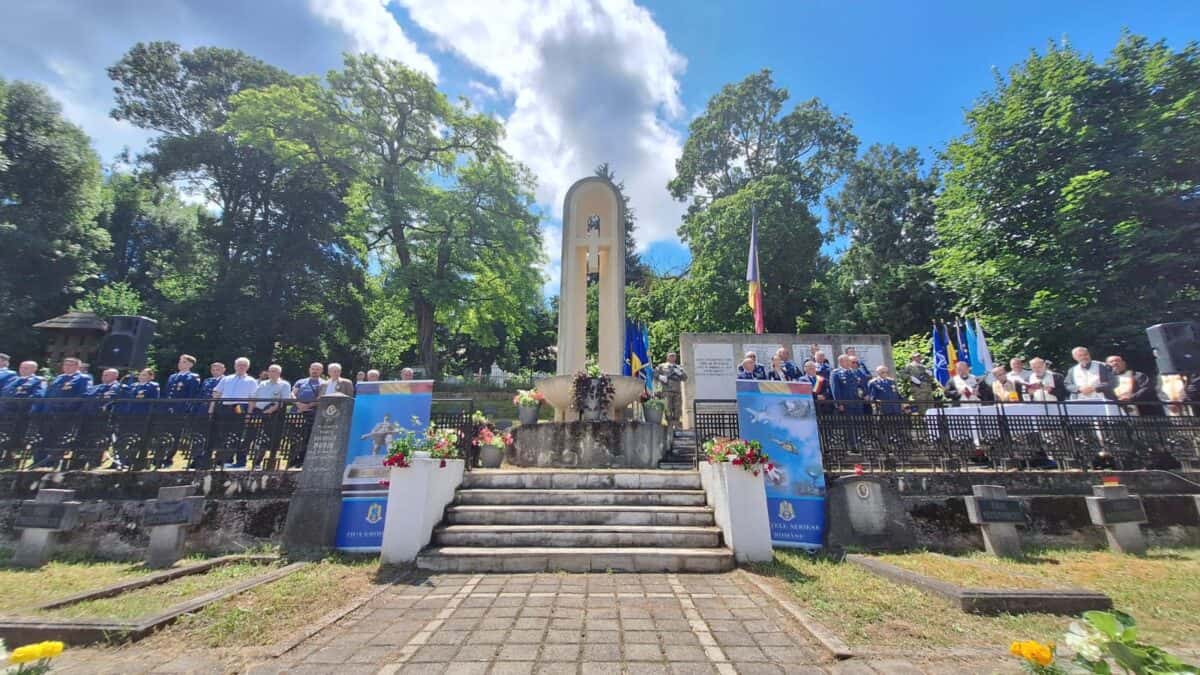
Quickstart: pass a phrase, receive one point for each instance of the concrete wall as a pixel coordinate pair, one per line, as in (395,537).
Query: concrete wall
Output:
(711,359)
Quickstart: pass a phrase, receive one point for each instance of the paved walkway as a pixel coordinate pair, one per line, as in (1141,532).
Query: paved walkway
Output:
(548,623)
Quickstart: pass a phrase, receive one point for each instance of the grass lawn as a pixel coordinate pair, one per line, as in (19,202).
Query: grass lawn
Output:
(269,613)
(153,599)
(1162,591)
(21,589)
(970,572)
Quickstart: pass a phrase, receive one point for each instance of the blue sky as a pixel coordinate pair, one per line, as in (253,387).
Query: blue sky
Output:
(579,82)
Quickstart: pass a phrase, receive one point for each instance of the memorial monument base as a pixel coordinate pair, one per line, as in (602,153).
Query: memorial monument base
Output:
(589,445)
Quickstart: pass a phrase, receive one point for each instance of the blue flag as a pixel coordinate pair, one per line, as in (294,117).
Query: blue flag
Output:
(637,352)
(964,347)
(941,360)
(977,367)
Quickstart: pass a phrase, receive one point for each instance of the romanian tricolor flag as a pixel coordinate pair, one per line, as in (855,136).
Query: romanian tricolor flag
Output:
(951,352)
(755,295)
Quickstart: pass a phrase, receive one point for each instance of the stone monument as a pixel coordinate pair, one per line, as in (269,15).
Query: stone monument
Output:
(997,516)
(40,520)
(168,519)
(316,505)
(1121,515)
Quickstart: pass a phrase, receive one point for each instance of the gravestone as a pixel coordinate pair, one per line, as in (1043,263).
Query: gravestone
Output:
(1121,516)
(866,512)
(316,504)
(168,518)
(997,516)
(41,519)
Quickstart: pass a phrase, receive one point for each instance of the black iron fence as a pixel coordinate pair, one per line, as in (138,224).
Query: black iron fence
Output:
(142,434)
(1083,435)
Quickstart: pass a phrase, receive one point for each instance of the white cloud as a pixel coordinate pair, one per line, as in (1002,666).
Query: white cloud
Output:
(371,28)
(590,81)
(552,249)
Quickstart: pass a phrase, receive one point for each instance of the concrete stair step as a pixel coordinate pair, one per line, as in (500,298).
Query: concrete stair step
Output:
(538,559)
(682,465)
(577,536)
(544,514)
(531,496)
(583,479)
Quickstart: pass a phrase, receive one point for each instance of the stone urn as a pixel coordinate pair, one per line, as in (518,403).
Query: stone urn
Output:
(528,414)
(558,393)
(491,456)
(652,414)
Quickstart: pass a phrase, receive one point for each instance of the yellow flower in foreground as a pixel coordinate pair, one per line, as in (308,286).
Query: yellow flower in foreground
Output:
(1034,652)
(35,652)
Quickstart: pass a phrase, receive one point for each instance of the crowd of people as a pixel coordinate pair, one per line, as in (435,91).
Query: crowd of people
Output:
(233,395)
(851,386)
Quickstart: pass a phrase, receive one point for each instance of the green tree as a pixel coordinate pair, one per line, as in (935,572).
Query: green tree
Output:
(744,152)
(881,283)
(49,197)
(1070,211)
(114,299)
(429,182)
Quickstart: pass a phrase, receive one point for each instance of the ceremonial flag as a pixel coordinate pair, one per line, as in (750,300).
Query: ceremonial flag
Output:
(985,355)
(941,369)
(964,347)
(977,367)
(951,352)
(637,353)
(755,294)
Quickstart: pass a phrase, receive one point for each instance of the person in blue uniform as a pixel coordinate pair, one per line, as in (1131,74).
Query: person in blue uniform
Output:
(181,385)
(88,380)
(69,384)
(824,368)
(102,395)
(217,370)
(58,422)
(6,374)
(146,389)
(750,370)
(859,364)
(849,393)
(99,409)
(791,372)
(881,390)
(26,384)
(184,384)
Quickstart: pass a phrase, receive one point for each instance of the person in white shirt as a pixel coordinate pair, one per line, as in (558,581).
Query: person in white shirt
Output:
(1089,380)
(267,416)
(272,391)
(1017,372)
(233,393)
(963,385)
(1042,384)
(336,383)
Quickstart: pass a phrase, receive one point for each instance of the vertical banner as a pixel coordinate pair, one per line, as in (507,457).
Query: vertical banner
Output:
(381,410)
(781,416)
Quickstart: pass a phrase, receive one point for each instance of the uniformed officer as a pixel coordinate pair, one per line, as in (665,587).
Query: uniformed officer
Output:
(671,376)
(750,370)
(881,390)
(100,406)
(824,369)
(27,383)
(791,372)
(846,386)
(146,389)
(6,374)
(68,384)
(920,378)
(88,380)
(184,384)
(59,419)
(217,369)
(864,377)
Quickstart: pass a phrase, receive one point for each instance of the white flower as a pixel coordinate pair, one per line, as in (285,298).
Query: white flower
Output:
(1084,642)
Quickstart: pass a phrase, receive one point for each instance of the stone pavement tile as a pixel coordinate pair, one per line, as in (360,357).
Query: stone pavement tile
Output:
(725,626)
(895,667)
(774,640)
(671,624)
(374,654)
(434,653)
(535,611)
(500,623)
(639,637)
(643,652)
(502,612)
(637,624)
(357,637)
(518,652)
(460,624)
(556,668)
(684,653)
(601,613)
(692,668)
(526,636)
(601,636)
(532,623)
(786,655)
(466,668)
(724,638)
(852,667)
(448,637)
(744,654)
(600,668)
(486,637)
(477,652)
(513,668)
(563,636)
(566,624)
(602,624)
(602,652)
(560,652)
(798,669)
(678,637)
(756,668)
(331,655)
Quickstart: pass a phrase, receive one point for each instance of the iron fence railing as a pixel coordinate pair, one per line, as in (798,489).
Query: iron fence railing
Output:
(1087,435)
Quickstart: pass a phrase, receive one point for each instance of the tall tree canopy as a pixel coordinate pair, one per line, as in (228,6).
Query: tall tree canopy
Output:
(428,180)
(1071,208)
(881,283)
(281,275)
(49,197)
(744,151)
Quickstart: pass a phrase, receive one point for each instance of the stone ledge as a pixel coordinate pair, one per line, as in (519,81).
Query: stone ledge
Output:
(990,600)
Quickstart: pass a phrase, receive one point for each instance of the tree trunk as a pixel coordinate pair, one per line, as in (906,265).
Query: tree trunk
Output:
(425,343)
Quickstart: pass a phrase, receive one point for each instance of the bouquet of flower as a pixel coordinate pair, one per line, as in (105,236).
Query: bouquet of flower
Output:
(479,419)
(400,452)
(31,659)
(739,452)
(528,398)
(443,442)
(488,437)
(1101,638)
(654,403)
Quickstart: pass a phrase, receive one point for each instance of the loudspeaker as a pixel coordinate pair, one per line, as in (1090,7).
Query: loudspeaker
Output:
(1176,346)
(124,346)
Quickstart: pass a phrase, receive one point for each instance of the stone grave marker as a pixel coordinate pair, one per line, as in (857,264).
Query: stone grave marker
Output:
(40,520)
(867,512)
(168,518)
(997,516)
(1121,515)
(316,505)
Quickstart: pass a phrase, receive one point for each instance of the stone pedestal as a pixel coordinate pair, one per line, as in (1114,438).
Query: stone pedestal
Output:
(1121,516)
(168,519)
(316,504)
(739,502)
(866,512)
(41,519)
(997,516)
(417,498)
(589,445)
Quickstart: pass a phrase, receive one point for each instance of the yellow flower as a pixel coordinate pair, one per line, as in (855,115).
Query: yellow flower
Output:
(1034,652)
(35,652)
(51,649)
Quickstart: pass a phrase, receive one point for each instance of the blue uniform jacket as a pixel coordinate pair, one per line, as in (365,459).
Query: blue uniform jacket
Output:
(7,375)
(825,370)
(759,373)
(884,390)
(210,384)
(847,385)
(185,385)
(65,386)
(25,387)
(130,404)
(103,395)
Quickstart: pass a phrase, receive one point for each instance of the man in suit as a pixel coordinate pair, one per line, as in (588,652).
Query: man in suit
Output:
(1090,380)
(1134,387)
(336,384)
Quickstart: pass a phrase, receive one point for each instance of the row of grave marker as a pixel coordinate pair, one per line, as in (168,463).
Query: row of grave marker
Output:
(54,511)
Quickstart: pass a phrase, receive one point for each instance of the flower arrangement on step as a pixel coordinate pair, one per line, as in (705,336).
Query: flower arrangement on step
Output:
(32,659)
(654,403)
(1101,637)
(439,443)
(488,437)
(528,398)
(739,452)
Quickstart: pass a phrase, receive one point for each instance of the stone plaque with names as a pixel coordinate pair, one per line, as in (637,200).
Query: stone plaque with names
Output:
(999,510)
(714,372)
(40,515)
(313,512)
(158,512)
(1122,510)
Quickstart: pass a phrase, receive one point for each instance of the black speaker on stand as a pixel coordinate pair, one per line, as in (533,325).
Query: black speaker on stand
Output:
(124,346)
(1176,347)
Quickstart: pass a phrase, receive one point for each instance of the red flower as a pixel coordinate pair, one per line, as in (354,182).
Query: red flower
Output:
(443,464)
(858,469)
(385,483)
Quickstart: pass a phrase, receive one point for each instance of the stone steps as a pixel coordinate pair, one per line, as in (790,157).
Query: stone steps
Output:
(567,497)
(578,536)
(582,480)
(542,559)
(544,514)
